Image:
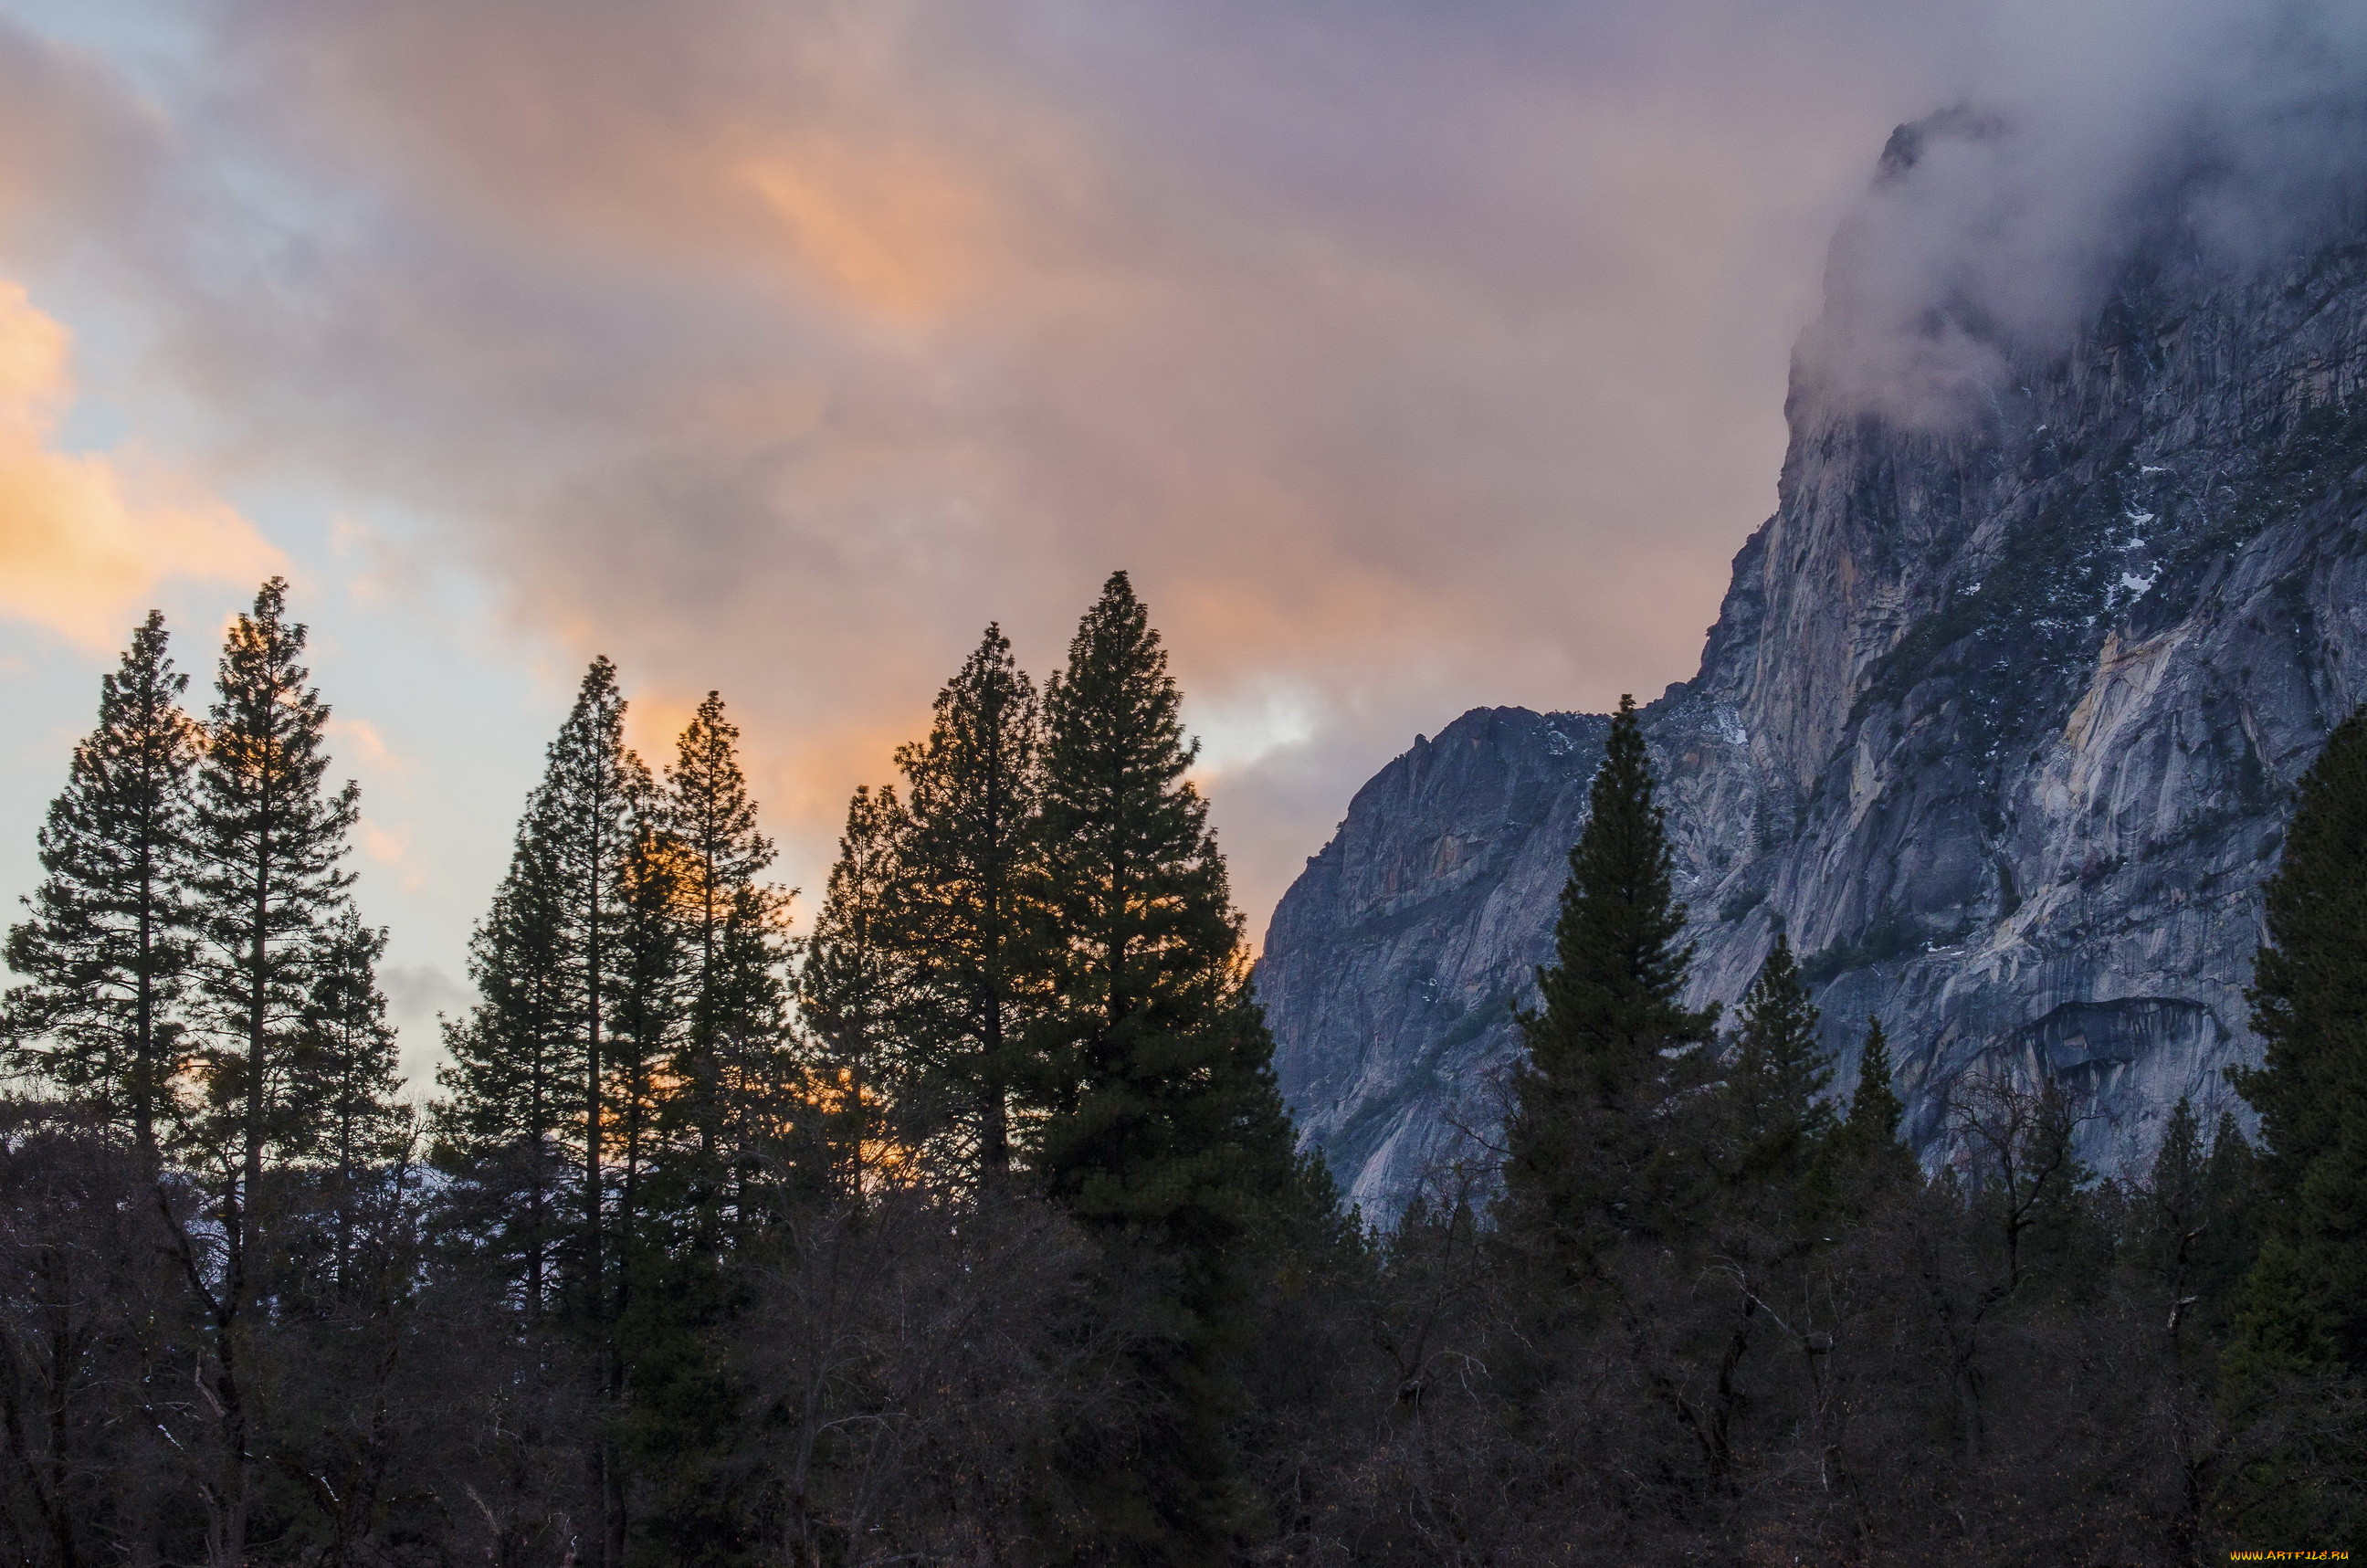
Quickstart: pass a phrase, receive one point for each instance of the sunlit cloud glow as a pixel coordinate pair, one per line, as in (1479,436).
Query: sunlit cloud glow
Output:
(86,537)
(390,849)
(1411,356)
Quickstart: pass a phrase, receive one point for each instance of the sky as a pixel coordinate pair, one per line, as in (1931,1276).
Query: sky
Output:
(1410,356)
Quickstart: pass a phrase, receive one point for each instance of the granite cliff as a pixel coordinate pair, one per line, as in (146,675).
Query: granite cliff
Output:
(1999,721)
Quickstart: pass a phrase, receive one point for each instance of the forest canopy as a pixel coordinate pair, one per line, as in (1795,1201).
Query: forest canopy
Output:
(966,1224)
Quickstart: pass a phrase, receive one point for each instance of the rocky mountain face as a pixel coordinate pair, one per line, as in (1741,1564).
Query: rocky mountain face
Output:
(1999,721)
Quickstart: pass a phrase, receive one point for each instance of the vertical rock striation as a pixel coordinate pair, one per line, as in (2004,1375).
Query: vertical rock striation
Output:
(1998,721)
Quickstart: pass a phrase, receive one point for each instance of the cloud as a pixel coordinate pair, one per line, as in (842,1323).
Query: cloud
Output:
(86,537)
(1411,357)
(2229,132)
(1408,361)
(362,739)
(390,847)
(79,152)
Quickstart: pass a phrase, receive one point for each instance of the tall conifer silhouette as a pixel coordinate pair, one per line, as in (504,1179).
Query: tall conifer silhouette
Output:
(575,967)
(733,993)
(645,1028)
(2306,1304)
(969,856)
(1163,1128)
(853,985)
(584,816)
(1590,1156)
(106,946)
(1866,1142)
(510,1076)
(345,1069)
(1860,1159)
(582,819)
(269,837)
(1874,1110)
(345,1075)
(1778,1075)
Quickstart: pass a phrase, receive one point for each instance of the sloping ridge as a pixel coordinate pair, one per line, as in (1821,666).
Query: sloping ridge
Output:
(1998,723)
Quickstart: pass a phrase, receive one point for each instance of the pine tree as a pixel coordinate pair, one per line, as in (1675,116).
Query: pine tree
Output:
(345,1071)
(732,949)
(853,986)
(2223,1254)
(1778,1076)
(574,965)
(510,1074)
(2171,1200)
(1875,1109)
(969,853)
(582,823)
(2235,1164)
(268,839)
(587,817)
(107,945)
(1592,1152)
(345,1067)
(1163,1130)
(2306,1304)
(646,1019)
(762,1091)
(757,960)
(1155,1060)
(703,1102)
(1863,1157)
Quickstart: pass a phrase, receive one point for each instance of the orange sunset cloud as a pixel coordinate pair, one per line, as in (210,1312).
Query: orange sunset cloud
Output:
(84,537)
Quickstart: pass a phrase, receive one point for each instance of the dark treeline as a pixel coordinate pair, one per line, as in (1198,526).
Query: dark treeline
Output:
(969,1229)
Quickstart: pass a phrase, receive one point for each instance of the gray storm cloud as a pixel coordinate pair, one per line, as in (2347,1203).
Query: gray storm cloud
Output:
(1411,356)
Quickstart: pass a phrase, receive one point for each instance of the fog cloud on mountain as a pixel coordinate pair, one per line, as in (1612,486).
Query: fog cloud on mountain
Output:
(1998,224)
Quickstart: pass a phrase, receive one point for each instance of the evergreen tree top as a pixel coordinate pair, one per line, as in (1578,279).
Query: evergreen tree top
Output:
(1875,1108)
(1611,994)
(967,900)
(1776,1007)
(1601,1139)
(1114,715)
(138,700)
(1780,1069)
(262,816)
(2309,1002)
(2231,1152)
(128,782)
(1127,830)
(710,806)
(106,944)
(1864,1153)
(267,734)
(2179,1159)
(1622,871)
(1778,1051)
(972,780)
(973,709)
(593,730)
(848,984)
(590,782)
(1151,1060)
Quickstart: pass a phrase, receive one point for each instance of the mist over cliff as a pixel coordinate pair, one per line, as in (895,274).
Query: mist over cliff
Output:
(2066,585)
